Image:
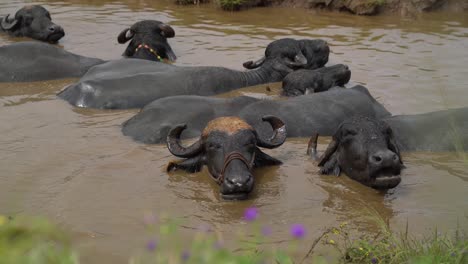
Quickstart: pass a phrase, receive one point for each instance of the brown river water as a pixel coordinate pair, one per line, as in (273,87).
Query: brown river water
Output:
(74,165)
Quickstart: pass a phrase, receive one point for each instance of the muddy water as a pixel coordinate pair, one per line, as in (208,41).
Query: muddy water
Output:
(74,166)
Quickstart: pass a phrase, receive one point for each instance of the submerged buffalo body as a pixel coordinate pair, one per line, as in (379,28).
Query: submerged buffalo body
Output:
(36,61)
(32,21)
(229,147)
(322,112)
(135,83)
(368,150)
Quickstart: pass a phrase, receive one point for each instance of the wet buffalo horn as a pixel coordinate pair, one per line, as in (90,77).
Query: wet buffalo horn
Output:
(166,30)
(252,65)
(328,152)
(279,133)
(6,25)
(125,35)
(299,60)
(174,146)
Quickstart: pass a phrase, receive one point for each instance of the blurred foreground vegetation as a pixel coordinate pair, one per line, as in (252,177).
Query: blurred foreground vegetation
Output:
(35,240)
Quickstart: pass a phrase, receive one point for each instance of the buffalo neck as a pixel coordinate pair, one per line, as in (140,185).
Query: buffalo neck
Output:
(220,80)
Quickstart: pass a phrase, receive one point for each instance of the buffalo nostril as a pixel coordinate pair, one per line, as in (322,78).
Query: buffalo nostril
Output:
(52,29)
(239,181)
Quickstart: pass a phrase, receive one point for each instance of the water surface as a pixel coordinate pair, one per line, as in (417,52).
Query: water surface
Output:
(74,165)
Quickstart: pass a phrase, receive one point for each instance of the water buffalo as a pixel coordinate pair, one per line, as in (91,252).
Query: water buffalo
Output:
(365,150)
(36,61)
(322,112)
(306,81)
(315,50)
(135,83)
(148,41)
(32,21)
(229,147)
(368,150)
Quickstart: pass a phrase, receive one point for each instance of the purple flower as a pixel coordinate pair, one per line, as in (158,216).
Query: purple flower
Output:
(185,255)
(250,214)
(453,254)
(266,231)
(298,231)
(374,261)
(151,245)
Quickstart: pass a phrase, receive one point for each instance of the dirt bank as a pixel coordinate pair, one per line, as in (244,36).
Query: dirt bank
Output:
(373,7)
(359,7)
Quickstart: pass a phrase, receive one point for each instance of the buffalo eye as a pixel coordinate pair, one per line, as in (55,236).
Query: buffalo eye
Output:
(348,133)
(213,146)
(250,146)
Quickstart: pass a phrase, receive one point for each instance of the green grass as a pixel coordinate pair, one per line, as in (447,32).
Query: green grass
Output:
(33,241)
(232,5)
(36,241)
(387,247)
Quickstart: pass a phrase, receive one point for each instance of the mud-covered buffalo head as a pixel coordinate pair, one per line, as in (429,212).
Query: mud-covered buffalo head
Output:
(229,147)
(32,21)
(316,52)
(282,56)
(313,81)
(148,41)
(366,151)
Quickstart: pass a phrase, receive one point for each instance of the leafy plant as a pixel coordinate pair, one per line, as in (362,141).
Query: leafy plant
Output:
(231,5)
(206,246)
(33,241)
(398,248)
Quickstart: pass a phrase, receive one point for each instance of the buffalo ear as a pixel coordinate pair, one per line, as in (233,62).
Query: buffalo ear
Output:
(254,64)
(166,31)
(191,165)
(125,35)
(262,159)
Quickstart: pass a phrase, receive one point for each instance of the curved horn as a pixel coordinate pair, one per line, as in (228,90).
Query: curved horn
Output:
(166,30)
(125,35)
(299,61)
(279,133)
(330,150)
(252,65)
(174,146)
(6,25)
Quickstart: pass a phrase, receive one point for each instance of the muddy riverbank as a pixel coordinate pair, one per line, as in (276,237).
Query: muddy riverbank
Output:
(358,7)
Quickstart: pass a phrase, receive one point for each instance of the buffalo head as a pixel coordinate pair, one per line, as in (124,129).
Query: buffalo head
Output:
(316,52)
(149,41)
(312,81)
(33,21)
(229,147)
(287,55)
(366,151)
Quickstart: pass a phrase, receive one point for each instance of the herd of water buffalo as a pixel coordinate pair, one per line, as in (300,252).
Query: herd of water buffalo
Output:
(366,138)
